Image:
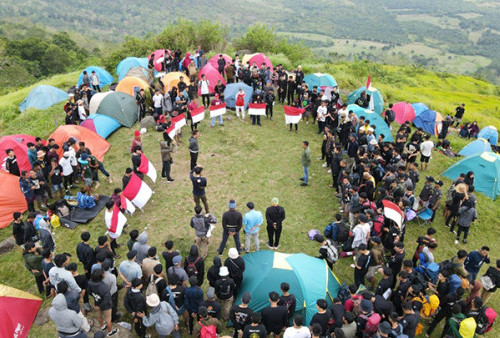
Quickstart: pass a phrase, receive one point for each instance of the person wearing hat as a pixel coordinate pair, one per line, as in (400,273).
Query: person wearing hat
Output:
(274,317)
(378,256)
(236,266)
(212,325)
(178,271)
(327,251)
(129,269)
(435,199)
(384,329)
(213,306)
(252,221)
(86,172)
(193,296)
(162,316)
(275,215)
(232,221)
(136,141)
(135,304)
(241,314)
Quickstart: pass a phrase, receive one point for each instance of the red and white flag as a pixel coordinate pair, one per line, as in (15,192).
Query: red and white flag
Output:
(147,168)
(171,131)
(177,123)
(197,114)
(256,109)
(368,82)
(219,109)
(115,221)
(137,191)
(126,204)
(392,212)
(293,114)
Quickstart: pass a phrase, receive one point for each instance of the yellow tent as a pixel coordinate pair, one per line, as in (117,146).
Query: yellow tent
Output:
(128,84)
(171,80)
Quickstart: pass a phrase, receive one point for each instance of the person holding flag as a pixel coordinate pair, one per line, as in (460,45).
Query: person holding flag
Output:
(216,102)
(115,222)
(147,168)
(136,161)
(292,116)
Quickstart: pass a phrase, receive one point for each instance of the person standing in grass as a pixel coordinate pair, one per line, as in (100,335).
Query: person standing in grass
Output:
(275,215)
(232,221)
(199,185)
(252,221)
(426,152)
(194,148)
(201,224)
(306,162)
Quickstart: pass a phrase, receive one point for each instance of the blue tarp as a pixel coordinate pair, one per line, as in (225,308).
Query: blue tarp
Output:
(489,133)
(419,108)
(104,77)
(375,119)
(130,62)
(103,125)
(42,97)
(478,146)
(426,120)
(231,91)
(378,101)
(320,80)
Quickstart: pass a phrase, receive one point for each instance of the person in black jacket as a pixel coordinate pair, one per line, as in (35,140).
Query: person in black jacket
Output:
(18,228)
(236,266)
(85,253)
(275,215)
(194,265)
(213,272)
(30,233)
(136,161)
(102,299)
(232,221)
(135,302)
(290,90)
(494,274)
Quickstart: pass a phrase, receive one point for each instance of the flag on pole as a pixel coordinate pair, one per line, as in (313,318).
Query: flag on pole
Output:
(147,168)
(115,221)
(137,191)
(197,114)
(368,82)
(392,212)
(219,109)
(293,114)
(18,310)
(257,109)
(125,204)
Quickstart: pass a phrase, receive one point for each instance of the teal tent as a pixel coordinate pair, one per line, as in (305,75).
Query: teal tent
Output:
(475,147)
(310,279)
(105,77)
(42,97)
(375,119)
(489,133)
(419,108)
(378,101)
(117,105)
(131,62)
(102,125)
(320,80)
(486,169)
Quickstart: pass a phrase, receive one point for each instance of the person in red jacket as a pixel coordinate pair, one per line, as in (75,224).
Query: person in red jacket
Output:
(136,141)
(240,103)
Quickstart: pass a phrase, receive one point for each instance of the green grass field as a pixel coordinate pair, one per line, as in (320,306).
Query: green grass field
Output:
(251,163)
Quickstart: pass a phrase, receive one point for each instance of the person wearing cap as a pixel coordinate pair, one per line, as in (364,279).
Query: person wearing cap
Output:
(129,269)
(232,221)
(378,256)
(86,172)
(211,324)
(362,264)
(327,251)
(178,271)
(136,141)
(322,317)
(241,314)
(135,304)
(274,317)
(252,221)
(213,306)
(224,290)
(201,224)
(275,215)
(193,296)
(297,330)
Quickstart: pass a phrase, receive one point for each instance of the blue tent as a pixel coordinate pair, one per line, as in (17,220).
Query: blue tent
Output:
(426,120)
(42,97)
(489,133)
(375,119)
(486,169)
(102,125)
(231,91)
(320,80)
(419,108)
(378,101)
(104,77)
(130,62)
(478,146)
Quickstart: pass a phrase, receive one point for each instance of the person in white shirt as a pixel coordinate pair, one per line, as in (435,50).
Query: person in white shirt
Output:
(157,100)
(297,330)
(322,112)
(426,152)
(204,84)
(58,273)
(82,114)
(67,170)
(95,81)
(361,233)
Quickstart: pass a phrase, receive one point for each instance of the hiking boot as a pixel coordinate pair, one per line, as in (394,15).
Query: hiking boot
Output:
(303,184)
(113,332)
(302,178)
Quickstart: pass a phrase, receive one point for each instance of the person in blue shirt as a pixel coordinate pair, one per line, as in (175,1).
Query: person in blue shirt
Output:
(32,157)
(252,221)
(475,260)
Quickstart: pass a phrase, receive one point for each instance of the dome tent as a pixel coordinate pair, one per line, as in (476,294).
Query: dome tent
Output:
(232,90)
(320,80)
(126,64)
(42,97)
(419,108)
(378,101)
(427,121)
(172,79)
(212,75)
(117,105)
(404,112)
(486,169)
(18,143)
(475,147)
(94,142)
(310,279)
(375,119)
(213,60)
(129,84)
(158,57)
(257,58)
(12,201)
(100,124)
(105,78)
(489,133)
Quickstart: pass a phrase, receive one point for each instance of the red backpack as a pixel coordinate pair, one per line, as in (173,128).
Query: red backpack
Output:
(209,331)
(372,322)
(191,269)
(486,320)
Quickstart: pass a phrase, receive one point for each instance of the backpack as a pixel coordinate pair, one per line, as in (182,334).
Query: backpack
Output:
(432,272)
(429,306)
(332,253)
(209,331)
(344,293)
(372,323)
(446,265)
(467,327)
(342,232)
(152,288)
(449,195)
(485,320)
(378,222)
(390,115)
(401,334)
(191,269)
(329,230)
(455,282)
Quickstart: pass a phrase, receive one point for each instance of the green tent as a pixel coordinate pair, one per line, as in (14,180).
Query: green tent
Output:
(310,279)
(120,106)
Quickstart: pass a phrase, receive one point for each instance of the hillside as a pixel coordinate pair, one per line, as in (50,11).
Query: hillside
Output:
(450,35)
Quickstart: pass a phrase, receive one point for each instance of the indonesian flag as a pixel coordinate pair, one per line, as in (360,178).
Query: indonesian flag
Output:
(197,114)
(171,131)
(147,168)
(293,114)
(115,221)
(257,109)
(219,109)
(18,310)
(177,123)
(368,82)
(137,191)
(126,204)
(392,212)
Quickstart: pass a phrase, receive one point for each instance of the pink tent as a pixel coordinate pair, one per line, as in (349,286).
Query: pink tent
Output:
(259,59)
(213,60)
(212,75)
(158,57)
(404,112)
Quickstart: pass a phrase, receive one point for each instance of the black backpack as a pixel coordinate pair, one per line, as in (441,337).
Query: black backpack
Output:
(342,232)
(191,269)
(344,293)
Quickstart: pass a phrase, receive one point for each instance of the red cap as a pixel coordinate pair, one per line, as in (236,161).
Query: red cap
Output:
(137,133)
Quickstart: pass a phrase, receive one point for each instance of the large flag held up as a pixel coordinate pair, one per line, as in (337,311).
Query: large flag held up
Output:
(293,114)
(115,221)
(137,191)
(219,109)
(393,212)
(125,204)
(147,168)
(18,309)
(257,109)
(197,114)
(177,123)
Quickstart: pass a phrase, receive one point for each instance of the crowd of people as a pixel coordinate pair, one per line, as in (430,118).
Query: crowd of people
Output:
(366,172)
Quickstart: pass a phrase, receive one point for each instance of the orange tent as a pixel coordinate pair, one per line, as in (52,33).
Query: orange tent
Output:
(97,145)
(172,79)
(11,200)
(128,84)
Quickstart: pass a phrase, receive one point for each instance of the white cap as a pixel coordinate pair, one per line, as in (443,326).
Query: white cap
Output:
(233,253)
(223,271)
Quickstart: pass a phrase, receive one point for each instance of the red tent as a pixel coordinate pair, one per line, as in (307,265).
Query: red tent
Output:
(158,57)
(259,59)
(97,145)
(404,112)
(18,309)
(213,60)
(11,200)
(212,75)
(18,144)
